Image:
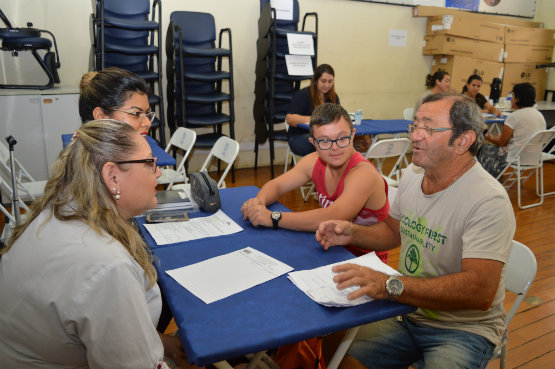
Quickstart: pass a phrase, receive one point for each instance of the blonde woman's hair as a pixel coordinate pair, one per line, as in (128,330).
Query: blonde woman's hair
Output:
(76,189)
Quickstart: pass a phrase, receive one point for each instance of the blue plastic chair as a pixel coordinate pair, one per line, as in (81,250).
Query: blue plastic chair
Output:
(126,38)
(196,76)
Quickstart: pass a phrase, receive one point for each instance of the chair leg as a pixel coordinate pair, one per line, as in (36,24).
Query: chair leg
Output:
(255,154)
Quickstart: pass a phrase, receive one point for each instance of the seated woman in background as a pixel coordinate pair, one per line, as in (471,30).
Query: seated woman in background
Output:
(472,90)
(438,82)
(116,94)
(321,90)
(78,285)
(519,126)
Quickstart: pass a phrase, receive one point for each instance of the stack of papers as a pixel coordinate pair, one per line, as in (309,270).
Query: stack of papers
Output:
(222,276)
(318,283)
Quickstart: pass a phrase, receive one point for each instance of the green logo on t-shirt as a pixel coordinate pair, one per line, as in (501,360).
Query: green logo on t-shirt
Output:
(412,259)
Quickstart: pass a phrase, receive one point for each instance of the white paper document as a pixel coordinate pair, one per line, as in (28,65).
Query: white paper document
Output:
(222,276)
(299,65)
(284,9)
(318,283)
(300,44)
(218,224)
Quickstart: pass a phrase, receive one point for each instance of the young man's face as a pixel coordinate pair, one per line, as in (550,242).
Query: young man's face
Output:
(341,134)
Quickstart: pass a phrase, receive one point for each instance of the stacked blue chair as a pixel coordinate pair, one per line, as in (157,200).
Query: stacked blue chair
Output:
(16,40)
(124,37)
(274,87)
(199,85)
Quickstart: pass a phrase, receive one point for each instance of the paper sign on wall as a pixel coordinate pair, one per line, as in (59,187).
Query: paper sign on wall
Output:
(299,65)
(397,38)
(300,44)
(284,9)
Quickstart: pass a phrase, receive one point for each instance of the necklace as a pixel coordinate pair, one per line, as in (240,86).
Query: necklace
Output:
(463,170)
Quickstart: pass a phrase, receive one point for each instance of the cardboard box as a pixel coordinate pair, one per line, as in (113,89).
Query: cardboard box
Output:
(527,54)
(524,72)
(453,45)
(462,67)
(465,27)
(529,36)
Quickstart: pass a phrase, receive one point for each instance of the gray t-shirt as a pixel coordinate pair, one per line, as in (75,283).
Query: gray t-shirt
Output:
(524,122)
(472,218)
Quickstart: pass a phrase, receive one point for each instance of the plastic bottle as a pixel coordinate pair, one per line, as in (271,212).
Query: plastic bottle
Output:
(509,98)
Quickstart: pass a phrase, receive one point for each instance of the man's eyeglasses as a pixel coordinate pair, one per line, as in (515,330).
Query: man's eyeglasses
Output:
(429,130)
(150,162)
(326,143)
(138,114)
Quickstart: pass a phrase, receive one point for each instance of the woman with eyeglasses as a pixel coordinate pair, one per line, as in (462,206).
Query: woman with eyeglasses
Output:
(115,93)
(347,186)
(77,281)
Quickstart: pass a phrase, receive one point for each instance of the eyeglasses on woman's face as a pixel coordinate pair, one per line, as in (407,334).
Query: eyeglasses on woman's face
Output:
(429,131)
(326,143)
(139,114)
(149,162)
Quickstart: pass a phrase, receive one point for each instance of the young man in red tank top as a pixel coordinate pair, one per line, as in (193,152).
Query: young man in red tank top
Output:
(348,186)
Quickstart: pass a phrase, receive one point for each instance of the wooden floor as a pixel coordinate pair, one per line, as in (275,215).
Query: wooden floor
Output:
(532,331)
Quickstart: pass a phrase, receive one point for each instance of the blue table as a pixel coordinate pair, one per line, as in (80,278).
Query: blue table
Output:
(377,126)
(163,157)
(494,123)
(266,316)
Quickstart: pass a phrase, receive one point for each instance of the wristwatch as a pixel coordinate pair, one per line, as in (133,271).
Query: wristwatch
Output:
(276,216)
(394,287)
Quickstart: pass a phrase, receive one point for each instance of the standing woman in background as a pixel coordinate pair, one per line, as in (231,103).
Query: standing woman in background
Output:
(321,90)
(472,90)
(115,93)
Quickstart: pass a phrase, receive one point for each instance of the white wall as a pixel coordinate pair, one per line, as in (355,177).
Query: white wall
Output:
(353,38)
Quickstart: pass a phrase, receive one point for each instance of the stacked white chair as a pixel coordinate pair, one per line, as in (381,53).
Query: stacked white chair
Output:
(183,139)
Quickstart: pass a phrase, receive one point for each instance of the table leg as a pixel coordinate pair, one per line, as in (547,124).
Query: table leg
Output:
(342,348)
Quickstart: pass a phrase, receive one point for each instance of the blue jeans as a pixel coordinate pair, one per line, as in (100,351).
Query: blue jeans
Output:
(392,344)
(300,145)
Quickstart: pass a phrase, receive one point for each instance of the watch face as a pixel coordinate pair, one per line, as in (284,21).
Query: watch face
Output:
(276,215)
(394,287)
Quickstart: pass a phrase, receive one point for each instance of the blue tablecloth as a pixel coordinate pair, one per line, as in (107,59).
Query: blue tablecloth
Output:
(266,316)
(377,126)
(163,157)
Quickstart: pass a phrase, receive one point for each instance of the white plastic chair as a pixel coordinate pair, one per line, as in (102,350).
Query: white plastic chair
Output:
(225,149)
(184,139)
(549,156)
(388,148)
(27,186)
(520,272)
(528,158)
(408,113)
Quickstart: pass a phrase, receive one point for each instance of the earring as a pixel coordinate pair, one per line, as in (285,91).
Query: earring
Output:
(116,196)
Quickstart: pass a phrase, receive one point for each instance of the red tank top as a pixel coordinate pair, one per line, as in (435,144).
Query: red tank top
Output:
(365,216)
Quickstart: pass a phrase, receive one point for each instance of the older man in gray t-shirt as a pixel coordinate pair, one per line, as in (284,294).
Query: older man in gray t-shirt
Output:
(455,225)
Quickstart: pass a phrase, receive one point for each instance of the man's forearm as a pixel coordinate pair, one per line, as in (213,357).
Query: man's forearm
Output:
(381,236)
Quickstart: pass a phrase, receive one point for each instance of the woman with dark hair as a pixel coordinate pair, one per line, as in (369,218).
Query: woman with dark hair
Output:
(115,93)
(472,90)
(321,90)
(519,126)
(438,82)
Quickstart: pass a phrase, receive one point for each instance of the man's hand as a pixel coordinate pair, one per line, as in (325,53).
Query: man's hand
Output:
(256,213)
(334,232)
(371,283)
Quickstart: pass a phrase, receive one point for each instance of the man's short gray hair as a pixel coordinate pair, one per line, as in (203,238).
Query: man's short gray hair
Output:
(464,115)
